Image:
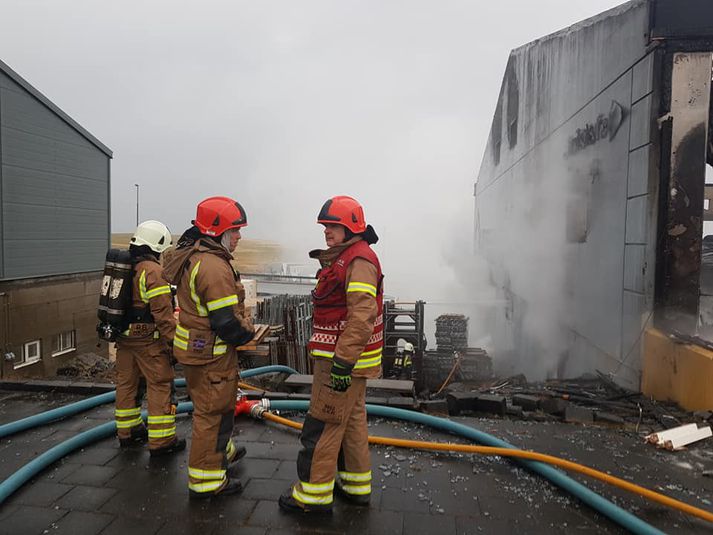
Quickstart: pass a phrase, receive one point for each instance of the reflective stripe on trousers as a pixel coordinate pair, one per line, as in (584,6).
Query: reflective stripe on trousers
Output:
(163,426)
(357,483)
(314,494)
(208,480)
(128,418)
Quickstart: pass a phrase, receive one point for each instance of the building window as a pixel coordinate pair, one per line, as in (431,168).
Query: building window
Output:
(64,343)
(31,353)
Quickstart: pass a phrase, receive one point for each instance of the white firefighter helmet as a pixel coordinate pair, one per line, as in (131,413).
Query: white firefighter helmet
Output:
(408,347)
(154,234)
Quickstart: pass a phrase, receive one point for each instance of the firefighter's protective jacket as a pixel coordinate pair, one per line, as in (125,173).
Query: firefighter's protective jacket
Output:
(151,314)
(348,307)
(211,301)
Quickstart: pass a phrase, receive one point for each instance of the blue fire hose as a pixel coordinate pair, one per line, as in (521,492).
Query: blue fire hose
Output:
(71,409)
(594,500)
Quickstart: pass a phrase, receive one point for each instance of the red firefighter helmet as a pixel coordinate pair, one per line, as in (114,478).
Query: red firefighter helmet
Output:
(343,210)
(215,215)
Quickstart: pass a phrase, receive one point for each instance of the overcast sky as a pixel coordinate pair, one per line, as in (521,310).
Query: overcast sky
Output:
(281,104)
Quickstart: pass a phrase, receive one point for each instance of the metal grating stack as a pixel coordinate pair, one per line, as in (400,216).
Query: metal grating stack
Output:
(452,344)
(475,365)
(294,314)
(451,333)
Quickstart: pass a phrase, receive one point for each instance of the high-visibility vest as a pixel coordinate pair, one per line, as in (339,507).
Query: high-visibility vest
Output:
(330,307)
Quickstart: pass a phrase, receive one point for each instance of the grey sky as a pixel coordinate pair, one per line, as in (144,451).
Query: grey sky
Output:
(283,104)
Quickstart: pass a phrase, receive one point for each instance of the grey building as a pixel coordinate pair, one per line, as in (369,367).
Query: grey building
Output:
(589,204)
(54,230)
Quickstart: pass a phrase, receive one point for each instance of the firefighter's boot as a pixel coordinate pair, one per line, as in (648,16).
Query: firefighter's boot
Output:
(234,453)
(139,437)
(234,463)
(231,486)
(289,504)
(357,499)
(174,447)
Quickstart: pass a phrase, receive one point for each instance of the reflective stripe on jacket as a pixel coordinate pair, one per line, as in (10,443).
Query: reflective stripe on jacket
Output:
(151,299)
(206,284)
(348,308)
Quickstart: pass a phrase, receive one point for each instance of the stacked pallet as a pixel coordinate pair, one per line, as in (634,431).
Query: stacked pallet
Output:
(453,360)
(475,364)
(451,333)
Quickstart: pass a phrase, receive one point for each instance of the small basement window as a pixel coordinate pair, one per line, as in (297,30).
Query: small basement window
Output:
(64,343)
(31,353)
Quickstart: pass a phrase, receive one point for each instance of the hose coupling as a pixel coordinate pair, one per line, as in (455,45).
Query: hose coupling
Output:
(259,408)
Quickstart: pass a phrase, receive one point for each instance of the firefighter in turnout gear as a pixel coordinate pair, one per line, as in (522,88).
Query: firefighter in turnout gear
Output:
(403,363)
(346,346)
(211,324)
(143,349)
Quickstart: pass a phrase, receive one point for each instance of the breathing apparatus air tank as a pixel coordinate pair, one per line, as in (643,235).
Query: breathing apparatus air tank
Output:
(115,294)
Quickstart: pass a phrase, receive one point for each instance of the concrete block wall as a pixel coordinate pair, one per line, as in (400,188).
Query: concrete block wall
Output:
(40,309)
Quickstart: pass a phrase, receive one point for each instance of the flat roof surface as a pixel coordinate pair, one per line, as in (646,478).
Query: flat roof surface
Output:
(103,489)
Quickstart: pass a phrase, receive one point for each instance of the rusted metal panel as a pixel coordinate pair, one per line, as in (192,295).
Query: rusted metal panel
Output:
(689,115)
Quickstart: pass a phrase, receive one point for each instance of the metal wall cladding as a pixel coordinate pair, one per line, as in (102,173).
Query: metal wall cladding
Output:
(55,191)
(643,83)
(637,219)
(639,183)
(635,268)
(555,208)
(641,122)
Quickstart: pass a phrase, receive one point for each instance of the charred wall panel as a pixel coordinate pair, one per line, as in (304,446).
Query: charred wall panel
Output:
(682,18)
(557,202)
(681,254)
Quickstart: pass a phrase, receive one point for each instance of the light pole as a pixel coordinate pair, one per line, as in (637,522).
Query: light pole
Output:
(137,204)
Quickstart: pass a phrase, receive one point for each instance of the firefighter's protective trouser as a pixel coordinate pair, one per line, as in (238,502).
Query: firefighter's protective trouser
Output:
(213,389)
(151,360)
(335,441)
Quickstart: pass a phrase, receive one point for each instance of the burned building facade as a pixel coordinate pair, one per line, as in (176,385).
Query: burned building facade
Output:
(591,201)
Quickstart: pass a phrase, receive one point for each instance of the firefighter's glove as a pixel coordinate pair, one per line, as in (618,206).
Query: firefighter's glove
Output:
(341,376)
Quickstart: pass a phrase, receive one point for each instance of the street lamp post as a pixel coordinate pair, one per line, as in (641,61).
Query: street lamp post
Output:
(137,204)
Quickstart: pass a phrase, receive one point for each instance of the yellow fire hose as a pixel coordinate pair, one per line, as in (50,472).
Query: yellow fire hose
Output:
(248,386)
(531,455)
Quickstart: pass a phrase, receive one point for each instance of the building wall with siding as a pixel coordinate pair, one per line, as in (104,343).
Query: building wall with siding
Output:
(55,191)
(54,230)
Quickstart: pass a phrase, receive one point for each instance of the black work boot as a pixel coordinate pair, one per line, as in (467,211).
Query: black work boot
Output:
(289,504)
(174,447)
(238,453)
(231,486)
(357,499)
(233,463)
(139,437)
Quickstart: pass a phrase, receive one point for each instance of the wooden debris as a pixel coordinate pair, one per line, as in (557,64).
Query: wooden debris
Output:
(678,437)
(260,334)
